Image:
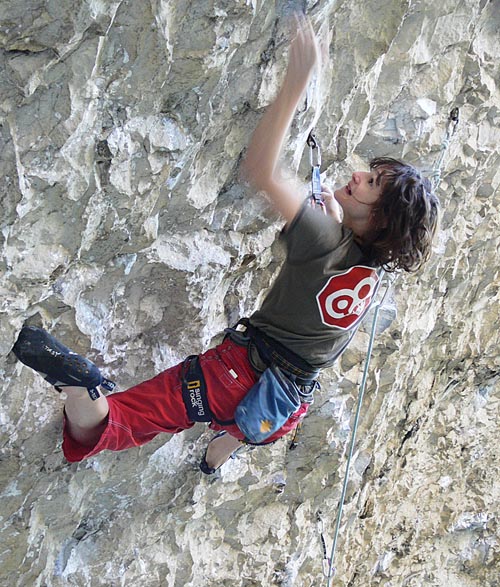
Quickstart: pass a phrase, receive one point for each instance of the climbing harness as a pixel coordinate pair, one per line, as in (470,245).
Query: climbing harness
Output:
(194,393)
(285,382)
(315,159)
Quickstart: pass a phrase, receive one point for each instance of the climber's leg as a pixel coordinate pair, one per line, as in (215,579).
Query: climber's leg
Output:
(135,416)
(93,422)
(86,420)
(219,450)
(86,409)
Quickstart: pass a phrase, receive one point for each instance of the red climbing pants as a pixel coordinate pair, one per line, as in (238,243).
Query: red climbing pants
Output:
(142,412)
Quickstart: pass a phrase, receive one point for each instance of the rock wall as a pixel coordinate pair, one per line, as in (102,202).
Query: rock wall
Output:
(125,231)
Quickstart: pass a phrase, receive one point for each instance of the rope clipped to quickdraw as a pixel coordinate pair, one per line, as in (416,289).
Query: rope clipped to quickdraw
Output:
(315,159)
(451,128)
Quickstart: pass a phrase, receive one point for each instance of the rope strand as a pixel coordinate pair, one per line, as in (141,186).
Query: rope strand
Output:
(436,173)
(331,568)
(451,128)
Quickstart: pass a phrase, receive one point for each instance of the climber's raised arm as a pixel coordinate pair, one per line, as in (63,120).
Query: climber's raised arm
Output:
(261,165)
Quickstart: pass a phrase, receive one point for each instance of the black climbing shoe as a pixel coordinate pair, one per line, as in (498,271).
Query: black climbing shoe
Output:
(57,364)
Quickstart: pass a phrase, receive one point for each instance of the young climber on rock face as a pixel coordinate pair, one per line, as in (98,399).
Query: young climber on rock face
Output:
(381,218)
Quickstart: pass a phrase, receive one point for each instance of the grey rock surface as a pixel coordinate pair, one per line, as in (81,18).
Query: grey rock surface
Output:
(126,231)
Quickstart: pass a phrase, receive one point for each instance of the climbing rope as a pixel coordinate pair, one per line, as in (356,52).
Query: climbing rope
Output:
(315,158)
(362,387)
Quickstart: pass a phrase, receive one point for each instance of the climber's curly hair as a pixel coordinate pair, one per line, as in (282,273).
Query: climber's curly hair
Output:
(408,212)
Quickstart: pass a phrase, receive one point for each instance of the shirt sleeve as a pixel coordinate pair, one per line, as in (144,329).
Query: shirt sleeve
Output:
(312,234)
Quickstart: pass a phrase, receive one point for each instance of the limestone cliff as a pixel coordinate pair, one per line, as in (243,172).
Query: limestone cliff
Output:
(125,231)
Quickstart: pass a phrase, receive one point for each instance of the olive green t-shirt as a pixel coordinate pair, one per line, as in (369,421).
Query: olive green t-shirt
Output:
(322,291)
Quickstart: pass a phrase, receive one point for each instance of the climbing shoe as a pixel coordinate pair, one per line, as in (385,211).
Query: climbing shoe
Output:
(57,364)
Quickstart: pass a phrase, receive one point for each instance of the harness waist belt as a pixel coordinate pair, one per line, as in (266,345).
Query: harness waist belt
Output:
(194,391)
(273,352)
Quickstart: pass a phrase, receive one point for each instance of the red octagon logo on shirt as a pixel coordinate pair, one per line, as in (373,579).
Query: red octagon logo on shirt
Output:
(345,297)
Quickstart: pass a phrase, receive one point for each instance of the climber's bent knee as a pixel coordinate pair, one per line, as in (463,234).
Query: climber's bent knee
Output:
(135,417)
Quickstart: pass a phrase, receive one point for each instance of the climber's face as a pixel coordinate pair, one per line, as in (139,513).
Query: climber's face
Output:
(360,195)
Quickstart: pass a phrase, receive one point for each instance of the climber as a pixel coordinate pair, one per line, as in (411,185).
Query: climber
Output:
(384,217)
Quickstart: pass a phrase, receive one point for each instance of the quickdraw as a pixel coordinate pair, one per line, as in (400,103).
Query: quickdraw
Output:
(294,442)
(315,159)
(321,530)
(451,128)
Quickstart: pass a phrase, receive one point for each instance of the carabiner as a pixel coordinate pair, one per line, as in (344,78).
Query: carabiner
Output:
(314,150)
(453,120)
(311,140)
